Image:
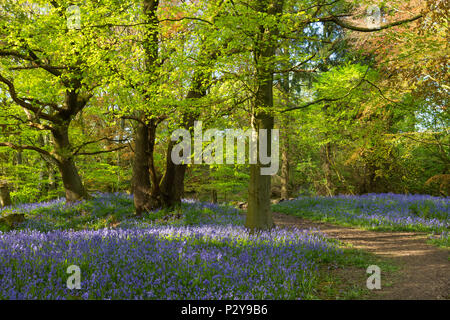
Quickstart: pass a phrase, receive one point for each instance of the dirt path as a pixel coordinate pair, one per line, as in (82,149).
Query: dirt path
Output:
(424,269)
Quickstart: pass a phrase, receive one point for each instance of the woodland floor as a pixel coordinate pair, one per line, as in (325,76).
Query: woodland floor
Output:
(424,270)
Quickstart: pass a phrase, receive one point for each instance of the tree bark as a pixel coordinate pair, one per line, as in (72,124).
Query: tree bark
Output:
(155,193)
(285,171)
(259,215)
(141,173)
(5,198)
(326,167)
(43,171)
(52,183)
(71,179)
(172,184)
(214,196)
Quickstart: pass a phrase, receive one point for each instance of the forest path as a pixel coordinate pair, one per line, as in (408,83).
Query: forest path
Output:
(424,269)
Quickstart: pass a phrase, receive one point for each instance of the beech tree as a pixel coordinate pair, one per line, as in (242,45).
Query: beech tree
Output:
(271,22)
(162,29)
(49,70)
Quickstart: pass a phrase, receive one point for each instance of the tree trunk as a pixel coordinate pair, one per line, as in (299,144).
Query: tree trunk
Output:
(71,179)
(155,193)
(259,215)
(52,184)
(43,181)
(326,167)
(5,198)
(19,159)
(141,173)
(214,196)
(172,184)
(285,121)
(285,171)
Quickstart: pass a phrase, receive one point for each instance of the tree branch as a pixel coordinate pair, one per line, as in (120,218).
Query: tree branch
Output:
(21,102)
(144,23)
(34,59)
(99,152)
(329,99)
(349,26)
(76,151)
(381,92)
(28,122)
(28,147)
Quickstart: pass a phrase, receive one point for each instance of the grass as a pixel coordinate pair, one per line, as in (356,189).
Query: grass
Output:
(441,240)
(345,279)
